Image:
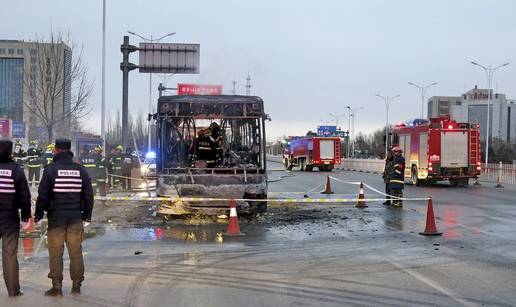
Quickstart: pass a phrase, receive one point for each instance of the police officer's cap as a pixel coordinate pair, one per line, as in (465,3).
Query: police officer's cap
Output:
(6,147)
(63,144)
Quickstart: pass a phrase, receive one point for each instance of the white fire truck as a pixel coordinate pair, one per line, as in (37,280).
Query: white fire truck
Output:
(439,149)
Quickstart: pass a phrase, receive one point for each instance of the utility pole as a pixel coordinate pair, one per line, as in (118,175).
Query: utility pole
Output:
(422,91)
(387,101)
(234,88)
(489,74)
(349,129)
(248,85)
(353,115)
(103,90)
(126,67)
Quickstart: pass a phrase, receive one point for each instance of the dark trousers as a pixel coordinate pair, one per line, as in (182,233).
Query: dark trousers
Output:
(100,184)
(71,232)
(10,260)
(34,173)
(126,181)
(388,192)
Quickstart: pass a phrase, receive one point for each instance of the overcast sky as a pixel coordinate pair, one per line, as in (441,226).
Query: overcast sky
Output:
(306,58)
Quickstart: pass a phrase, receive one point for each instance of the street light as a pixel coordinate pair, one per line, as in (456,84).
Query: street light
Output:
(353,115)
(489,74)
(422,91)
(103,89)
(387,101)
(348,155)
(151,40)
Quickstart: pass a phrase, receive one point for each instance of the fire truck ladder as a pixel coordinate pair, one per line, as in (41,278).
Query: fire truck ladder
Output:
(473,147)
(337,151)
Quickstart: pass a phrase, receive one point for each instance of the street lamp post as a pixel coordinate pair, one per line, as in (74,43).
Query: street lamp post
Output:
(422,91)
(150,40)
(349,130)
(103,90)
(387,101)
(353,112)
(489,74)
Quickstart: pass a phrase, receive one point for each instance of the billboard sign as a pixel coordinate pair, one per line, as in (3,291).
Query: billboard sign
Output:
(19,130)
(326,130)
(169,58)
(198,89)
(5,128)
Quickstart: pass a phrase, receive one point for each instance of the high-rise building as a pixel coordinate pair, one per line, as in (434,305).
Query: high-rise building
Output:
(472,107)
(22,77)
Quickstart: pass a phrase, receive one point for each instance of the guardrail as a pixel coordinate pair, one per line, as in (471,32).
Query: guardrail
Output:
(363,165)
(494,172)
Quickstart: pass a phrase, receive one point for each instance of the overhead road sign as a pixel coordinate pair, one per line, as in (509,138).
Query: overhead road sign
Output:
(170,58)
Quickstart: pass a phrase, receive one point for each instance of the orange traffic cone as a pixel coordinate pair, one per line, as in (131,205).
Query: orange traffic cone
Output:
(327,189)
(233,227)
(361,198)
(430,228)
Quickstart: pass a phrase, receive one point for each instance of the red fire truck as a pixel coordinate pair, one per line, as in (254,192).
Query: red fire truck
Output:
(439,149)
(310,152)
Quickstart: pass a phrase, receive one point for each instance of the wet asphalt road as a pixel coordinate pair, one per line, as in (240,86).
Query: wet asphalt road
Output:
(363,257)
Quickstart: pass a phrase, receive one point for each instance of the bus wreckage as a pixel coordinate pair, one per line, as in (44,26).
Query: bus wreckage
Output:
(211,147)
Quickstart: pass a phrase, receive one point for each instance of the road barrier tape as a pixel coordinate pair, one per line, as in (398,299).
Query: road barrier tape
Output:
(367,186)
(269,200)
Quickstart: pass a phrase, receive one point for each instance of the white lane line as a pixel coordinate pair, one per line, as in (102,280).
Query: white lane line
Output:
(431,283)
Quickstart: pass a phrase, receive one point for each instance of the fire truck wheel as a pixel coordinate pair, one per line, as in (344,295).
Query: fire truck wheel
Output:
(302,164)
(415,179)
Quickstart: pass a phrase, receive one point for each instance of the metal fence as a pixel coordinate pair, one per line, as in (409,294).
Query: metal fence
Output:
(498,172)
(494,172)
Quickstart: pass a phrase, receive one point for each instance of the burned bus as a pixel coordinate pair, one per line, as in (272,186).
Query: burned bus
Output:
(211,147)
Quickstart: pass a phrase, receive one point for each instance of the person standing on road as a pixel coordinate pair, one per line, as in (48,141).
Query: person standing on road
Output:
(14,196)
(127,166)
(48,155)
(387,169)
(101,173)
(117,161)
(34,163)
(65,193)
(397,177)
(19,154)
(89,162)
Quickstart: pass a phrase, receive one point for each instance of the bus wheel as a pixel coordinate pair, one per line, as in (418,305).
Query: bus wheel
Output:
(415,179)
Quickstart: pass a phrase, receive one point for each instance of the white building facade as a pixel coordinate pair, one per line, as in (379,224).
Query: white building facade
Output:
(472,107)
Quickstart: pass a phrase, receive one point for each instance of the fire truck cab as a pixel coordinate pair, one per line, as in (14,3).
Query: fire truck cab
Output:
(439,149)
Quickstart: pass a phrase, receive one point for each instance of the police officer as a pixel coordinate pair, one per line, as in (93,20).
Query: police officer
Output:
(48,155)
(34,163)
(102,171)
(117,161)
(14,195)
(397,177)
(65,193)
(19,154)
(386,171)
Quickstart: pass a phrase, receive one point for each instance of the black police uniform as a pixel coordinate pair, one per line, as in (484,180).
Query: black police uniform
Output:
(66,194)
(397,179)
(14,195)
(34,165)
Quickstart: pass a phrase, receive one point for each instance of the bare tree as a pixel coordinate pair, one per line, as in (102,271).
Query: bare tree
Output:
(57,85)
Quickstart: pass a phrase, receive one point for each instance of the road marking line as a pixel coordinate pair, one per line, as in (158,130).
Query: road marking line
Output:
(431,283)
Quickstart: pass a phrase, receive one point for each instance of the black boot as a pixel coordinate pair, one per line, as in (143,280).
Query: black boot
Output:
(19,293)
(76,288)
(56,290)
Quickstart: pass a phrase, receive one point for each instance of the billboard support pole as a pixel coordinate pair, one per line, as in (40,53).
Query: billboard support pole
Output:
(126,67)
